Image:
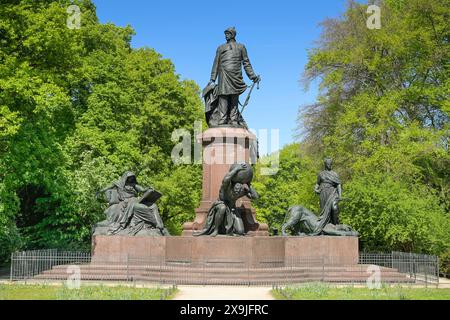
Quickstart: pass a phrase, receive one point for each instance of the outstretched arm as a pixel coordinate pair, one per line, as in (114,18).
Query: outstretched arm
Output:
(141,189)
(98,193)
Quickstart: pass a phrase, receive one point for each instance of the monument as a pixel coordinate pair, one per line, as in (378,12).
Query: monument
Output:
(225,230)
(224,244)
(227,141)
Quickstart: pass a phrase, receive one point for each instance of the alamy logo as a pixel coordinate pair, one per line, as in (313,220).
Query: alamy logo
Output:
(188,149)
(374,21)
(374,280)
(74,278)
(74,18)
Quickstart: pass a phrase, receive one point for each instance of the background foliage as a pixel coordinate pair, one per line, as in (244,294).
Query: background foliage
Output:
(78,108)
(383,116)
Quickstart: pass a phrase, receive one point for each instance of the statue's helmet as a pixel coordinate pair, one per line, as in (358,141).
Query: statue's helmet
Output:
(232,31)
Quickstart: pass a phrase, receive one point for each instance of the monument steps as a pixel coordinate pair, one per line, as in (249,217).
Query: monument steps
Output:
(220,275)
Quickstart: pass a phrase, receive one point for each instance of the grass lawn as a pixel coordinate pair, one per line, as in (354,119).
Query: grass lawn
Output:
(327,292)
(92,292)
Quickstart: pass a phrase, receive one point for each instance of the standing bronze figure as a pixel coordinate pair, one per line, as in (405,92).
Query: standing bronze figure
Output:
(222,100)
(330,191)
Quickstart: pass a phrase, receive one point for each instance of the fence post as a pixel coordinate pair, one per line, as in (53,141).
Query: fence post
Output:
(160,271)
(203,272)
(27,267)
(11,267)
(248,262)
(323,268)
(437,270)
(128,263)
(392,260)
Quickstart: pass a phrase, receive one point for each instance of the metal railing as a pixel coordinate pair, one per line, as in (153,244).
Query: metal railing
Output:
(395,267)
(28,264)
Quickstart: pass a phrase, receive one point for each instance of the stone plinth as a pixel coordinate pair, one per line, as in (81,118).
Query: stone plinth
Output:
(250,251)
(222,147)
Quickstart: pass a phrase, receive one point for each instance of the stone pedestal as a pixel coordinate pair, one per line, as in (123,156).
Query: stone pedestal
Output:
(223,147)
(257,252)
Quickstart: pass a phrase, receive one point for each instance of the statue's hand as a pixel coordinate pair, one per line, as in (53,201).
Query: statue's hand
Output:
(256,79)
(243,166)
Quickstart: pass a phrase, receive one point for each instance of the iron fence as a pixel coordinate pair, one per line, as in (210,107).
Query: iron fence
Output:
(28,264)
(395,267)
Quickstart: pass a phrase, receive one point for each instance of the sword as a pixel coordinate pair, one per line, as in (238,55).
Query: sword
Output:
(250,93)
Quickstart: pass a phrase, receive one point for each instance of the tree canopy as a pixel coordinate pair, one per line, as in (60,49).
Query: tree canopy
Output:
(383,116)
(78,107)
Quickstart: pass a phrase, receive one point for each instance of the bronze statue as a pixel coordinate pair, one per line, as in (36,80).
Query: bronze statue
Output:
(224,217)
(330,192)
(222,100)
(308,224)
(128,214)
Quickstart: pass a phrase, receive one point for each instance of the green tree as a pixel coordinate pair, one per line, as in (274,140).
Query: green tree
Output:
(391,215)
(78,108)
(292,185)
(383,115)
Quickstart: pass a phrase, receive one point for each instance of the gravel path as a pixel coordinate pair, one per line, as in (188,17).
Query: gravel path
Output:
(223,293)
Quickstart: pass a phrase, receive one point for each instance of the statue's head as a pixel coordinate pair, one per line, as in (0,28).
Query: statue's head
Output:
(240,189)
(328,163)
(129,178)
(230,34)
(244,176)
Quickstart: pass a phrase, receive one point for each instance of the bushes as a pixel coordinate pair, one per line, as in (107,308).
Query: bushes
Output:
(293,184)
(444,263)
(10,241)
(391,215)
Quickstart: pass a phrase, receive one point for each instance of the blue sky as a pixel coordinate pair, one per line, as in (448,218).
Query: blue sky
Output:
(277,35)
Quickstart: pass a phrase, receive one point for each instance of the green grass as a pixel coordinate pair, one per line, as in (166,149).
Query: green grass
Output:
(320,291)
(100,292)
